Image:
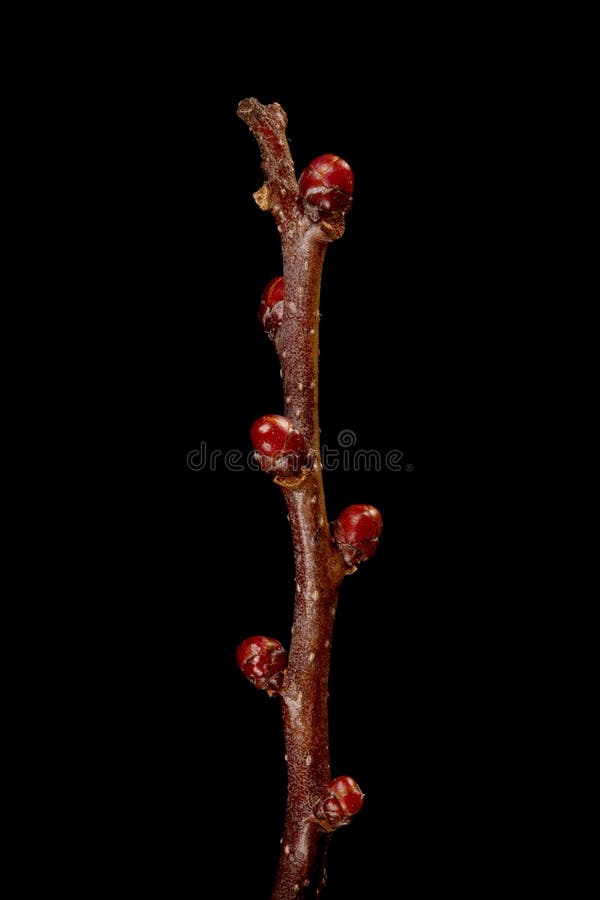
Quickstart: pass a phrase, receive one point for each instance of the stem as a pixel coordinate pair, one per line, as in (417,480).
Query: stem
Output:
(320,567)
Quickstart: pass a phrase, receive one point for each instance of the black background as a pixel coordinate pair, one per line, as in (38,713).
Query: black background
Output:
(203,558)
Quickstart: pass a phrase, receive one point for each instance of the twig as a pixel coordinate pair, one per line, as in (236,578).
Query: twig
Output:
(320,563)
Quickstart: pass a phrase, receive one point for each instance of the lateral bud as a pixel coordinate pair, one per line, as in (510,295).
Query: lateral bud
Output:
(326,186)
(341,799)
(263,661)
(356,531)
(270,311)
(279,447)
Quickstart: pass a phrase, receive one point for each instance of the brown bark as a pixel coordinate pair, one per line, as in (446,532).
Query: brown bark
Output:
(320,567)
